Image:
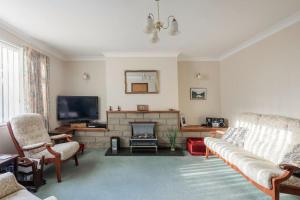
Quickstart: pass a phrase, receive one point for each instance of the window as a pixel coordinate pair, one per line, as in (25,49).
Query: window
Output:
(11,81)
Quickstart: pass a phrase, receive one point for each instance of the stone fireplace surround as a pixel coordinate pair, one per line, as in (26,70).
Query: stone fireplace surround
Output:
(118,124)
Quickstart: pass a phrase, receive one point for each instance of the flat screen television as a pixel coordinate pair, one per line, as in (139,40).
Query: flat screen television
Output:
(77,108)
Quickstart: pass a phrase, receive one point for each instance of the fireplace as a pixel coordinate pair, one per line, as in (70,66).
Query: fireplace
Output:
(143,136)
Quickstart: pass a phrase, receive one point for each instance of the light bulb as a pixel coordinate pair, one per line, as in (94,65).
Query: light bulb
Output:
(149,24)
(154,37)
(174,27)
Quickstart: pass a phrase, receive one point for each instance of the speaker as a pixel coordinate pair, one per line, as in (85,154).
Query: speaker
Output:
(115,144)
(215,122)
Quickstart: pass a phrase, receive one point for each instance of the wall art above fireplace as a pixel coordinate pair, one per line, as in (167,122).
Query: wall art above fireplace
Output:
(141,82)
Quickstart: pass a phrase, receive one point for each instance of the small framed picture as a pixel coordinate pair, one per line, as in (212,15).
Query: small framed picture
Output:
(198,93)
(183,121)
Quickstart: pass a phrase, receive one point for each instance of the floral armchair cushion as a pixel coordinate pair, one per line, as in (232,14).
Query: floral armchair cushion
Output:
(29,129)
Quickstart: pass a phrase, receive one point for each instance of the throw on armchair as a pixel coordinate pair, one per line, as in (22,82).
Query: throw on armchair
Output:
(32,140)
(10,189)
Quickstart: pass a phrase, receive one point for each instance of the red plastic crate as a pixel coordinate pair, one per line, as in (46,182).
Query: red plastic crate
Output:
(196,146)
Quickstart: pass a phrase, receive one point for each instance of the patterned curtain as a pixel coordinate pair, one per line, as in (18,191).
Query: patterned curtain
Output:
(36,82)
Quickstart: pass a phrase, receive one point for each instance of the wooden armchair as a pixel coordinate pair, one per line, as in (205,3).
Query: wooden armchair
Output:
(32,140)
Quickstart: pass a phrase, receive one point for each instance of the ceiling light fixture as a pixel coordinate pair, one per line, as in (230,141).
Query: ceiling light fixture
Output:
(154,26)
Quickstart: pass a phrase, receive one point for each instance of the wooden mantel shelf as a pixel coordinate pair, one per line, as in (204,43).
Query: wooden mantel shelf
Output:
(150,111)
(198,128)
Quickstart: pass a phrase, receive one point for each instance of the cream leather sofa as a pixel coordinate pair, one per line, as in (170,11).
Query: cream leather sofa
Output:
(269,143)
(10,189)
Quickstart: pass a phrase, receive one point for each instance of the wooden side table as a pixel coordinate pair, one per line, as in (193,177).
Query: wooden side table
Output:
(31,173)
(11,161)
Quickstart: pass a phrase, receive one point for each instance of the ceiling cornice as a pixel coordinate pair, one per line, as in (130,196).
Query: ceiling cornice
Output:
(85,58)
(28,40)
(141,54)
(259,37)
(197,59)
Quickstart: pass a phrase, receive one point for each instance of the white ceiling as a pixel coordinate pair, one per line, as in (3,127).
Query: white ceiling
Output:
(209,28)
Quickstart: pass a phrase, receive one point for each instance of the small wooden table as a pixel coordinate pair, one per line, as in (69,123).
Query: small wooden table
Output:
(12,160)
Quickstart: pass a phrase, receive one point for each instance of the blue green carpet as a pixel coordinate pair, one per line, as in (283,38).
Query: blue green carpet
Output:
(149,178)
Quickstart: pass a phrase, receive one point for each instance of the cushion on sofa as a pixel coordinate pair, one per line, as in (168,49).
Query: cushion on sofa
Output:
(235,136)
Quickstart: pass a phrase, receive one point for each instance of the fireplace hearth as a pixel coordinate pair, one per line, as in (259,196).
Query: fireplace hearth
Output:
(143,136)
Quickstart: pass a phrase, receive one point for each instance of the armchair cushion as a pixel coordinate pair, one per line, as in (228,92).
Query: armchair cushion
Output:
(8,184)
(66,150)
(30,129)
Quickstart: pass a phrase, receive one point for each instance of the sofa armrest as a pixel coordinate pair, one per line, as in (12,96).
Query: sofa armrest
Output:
(289,167)
(8,184)
(33,146)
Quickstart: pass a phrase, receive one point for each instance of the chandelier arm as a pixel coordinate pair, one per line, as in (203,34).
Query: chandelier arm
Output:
(169,18)
(158,10)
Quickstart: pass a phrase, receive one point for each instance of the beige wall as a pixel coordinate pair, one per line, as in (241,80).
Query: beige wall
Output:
(6,144)
(264,78)
(197,110)
(168,95)
(74,84)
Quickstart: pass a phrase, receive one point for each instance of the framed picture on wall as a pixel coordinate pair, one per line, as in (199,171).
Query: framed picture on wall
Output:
(198,93)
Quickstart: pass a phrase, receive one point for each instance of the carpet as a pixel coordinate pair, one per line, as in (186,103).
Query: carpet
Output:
(100,177)
(145,152)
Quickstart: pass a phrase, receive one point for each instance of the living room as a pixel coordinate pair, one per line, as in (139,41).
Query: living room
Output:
(196,82)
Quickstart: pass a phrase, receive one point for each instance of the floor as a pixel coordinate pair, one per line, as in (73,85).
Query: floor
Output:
(148,178)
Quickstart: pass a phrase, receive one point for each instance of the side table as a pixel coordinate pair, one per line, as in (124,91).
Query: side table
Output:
(10,161)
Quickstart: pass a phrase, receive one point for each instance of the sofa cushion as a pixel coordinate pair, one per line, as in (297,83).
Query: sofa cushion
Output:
(8,184)
(66,150)
(258,169)
(272,138)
